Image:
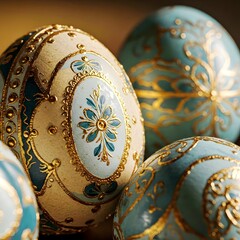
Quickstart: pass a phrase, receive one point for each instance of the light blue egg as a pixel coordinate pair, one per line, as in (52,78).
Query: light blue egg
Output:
(18,208)
(184,67)
(188,190)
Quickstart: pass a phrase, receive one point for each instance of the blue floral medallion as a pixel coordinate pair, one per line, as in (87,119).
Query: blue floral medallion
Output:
(100,124)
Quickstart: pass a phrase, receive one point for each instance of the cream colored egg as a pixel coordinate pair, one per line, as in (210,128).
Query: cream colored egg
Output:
(72,118)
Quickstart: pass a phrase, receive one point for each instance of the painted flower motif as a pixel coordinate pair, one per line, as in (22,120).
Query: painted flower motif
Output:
(85,65)
(100,191)
(99,124)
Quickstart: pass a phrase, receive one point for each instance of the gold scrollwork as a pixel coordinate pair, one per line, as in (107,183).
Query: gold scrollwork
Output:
(209,87)
(219,185)
(224,216)
(67,131)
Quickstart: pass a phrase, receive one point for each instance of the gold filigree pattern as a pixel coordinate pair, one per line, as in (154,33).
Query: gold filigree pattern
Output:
(67,131)
(226,216)
(206,91)
(220,198)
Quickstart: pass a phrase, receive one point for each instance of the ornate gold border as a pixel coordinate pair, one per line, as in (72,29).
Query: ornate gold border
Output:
(67,130)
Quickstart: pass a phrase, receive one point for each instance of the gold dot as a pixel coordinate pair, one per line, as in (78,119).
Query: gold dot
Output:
(52,99)
(19,70)
(8,129)
(101,124)
(81,47)
(84,58)
(56,162)
(11,142)
(30,48)
(183,35)
(50,40)
(24,59)
(52,130)
(187,68)
(178,21)
(10,113)
(12,97)
(101,196)
(71,34)
(14,83)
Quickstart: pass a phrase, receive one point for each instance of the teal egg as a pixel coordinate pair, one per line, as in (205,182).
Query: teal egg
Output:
(188,190)
(184,67)
(18,207)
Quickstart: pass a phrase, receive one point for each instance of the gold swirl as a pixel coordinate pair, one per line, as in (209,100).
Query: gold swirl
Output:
(213,88)
(222,218)
(230,207)
(67,131)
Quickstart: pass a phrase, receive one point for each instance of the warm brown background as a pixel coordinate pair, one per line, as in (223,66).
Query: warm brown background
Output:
(110,22)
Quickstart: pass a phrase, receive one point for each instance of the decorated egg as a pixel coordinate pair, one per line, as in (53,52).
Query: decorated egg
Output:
(184,67)
(189,189)
(19,217)
(71,116)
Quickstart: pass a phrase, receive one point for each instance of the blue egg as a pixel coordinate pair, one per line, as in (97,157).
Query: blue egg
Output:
(188,190)
(19,217)
(184,67)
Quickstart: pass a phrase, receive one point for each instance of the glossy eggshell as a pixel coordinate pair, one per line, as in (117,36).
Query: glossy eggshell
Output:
(19,218)
(184,67)
(71,116)
(188,190)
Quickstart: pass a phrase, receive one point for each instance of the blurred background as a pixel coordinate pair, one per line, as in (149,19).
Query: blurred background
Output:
(109,21)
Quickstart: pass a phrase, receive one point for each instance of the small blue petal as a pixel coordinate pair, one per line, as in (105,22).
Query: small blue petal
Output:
(91,103)
(111,135)
(78,66)
(96,66)
(110,146)
(114,122)
(107,112)
(111,187)
(92,136)
(97,149)
(102,99)
(91,190)
(89,114)
(84,125)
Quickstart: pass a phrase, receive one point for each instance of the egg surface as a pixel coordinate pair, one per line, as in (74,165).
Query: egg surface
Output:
(71,116)
(19,218)
(184,67)
(189,189)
